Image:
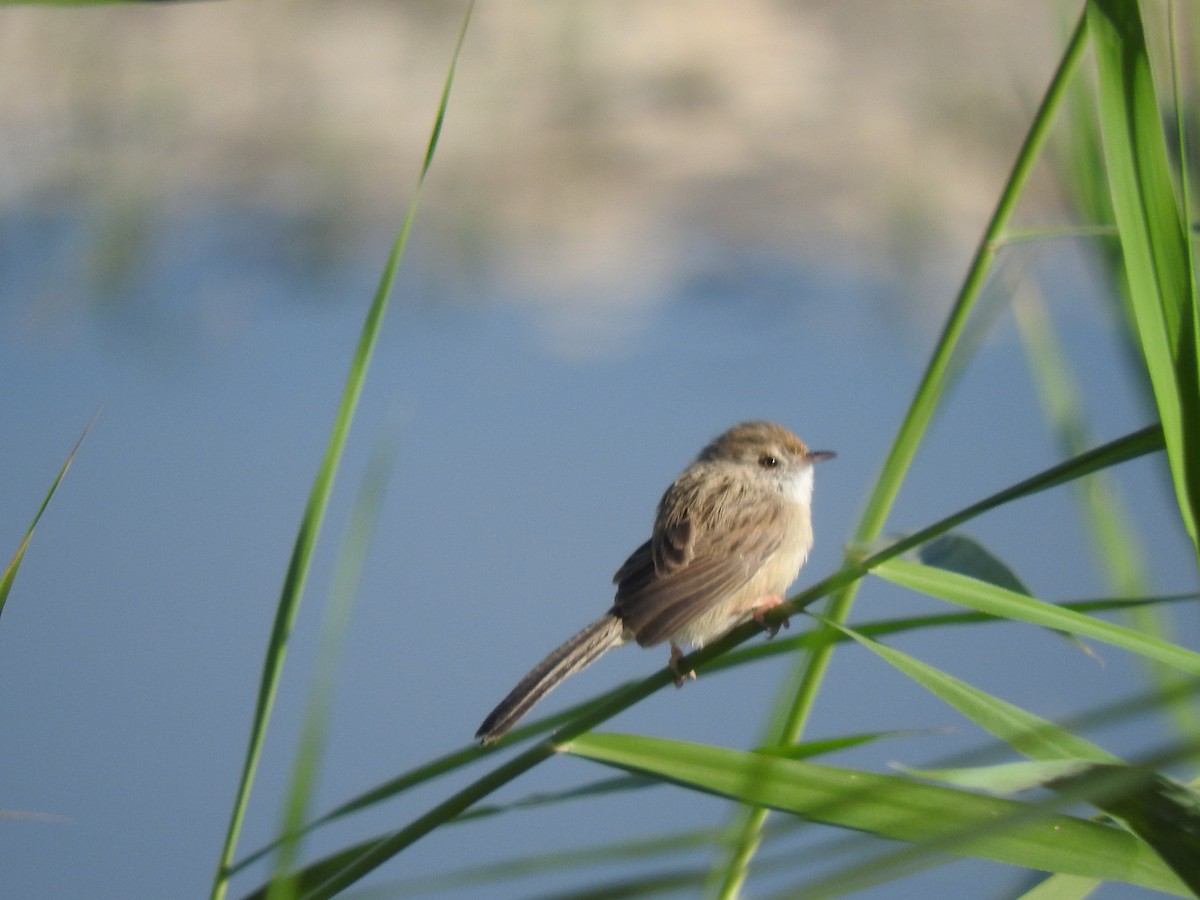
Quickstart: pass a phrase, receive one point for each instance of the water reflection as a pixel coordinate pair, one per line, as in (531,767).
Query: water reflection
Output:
(592,153)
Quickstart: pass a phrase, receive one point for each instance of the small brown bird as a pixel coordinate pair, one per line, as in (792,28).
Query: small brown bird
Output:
(730,535)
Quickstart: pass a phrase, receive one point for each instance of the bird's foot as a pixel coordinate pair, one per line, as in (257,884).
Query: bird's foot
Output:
(676,656)
(763,607)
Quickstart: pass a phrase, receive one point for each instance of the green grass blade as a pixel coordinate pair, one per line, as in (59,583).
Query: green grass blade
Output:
(1119,553)
(1103,785)
(1004,779)
(966,556)
(792,710)
(959,553)
(318,500)
(384,849)
(1178,81)
(1117,547)
(930,389)
(1026,733)
(317,872)
(347,574)
(1161,811)
(621,784)
(996,601)
(617,853)
(1062,887)
(330,876)
(620,852)
(349,863)
(1154,808)
(1123,449)
(14,564)
(452,762)
(626,783)
(813,749)
(891,807)
(444,765)
(1154,238)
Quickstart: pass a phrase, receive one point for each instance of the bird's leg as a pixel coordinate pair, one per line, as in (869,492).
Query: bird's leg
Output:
(762,608)
(676,656)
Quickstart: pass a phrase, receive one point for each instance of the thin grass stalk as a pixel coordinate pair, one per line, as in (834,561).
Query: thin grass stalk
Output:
(347,574)
(1189,248)
(1117,548)
(790,725)
(318,501)
(1155,244)
(14,565)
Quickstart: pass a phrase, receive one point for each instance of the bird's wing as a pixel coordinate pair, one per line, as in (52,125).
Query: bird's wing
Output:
(687,569)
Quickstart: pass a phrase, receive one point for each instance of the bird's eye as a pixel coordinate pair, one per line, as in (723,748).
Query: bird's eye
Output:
(768,461)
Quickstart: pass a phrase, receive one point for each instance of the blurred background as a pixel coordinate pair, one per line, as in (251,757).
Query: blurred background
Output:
(645,222)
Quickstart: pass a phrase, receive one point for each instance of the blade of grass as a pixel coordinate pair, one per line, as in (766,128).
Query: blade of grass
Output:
(997,601)
(318,500)
(351,869)
(1162,812)
(14,565)
(1003,779)
(347,574)
(793,711)
(618,853)
(1159,810)
(669,883)
(1062,887)
(621,852)
(1154,241)
(318,872)
(963,554)
(627,783)
(453,761)
(1117,549)
(891,866)
(937,818)
(1178,81)
(1026,733)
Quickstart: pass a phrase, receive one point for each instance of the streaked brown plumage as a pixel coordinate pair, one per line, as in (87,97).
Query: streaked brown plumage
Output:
(730,535)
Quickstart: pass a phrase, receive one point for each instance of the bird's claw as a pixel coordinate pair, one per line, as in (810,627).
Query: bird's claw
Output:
(681,678)
(760,612)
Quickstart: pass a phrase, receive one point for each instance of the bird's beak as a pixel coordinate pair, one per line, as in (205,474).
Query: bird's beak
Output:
(818,455)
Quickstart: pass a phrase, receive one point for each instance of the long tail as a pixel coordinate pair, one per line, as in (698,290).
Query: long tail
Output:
(575,653)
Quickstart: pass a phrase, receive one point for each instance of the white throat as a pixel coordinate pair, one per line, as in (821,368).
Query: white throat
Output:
(800,486)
